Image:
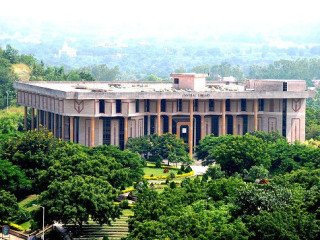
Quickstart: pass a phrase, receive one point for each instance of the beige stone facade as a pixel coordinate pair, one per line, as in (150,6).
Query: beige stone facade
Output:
(95,113)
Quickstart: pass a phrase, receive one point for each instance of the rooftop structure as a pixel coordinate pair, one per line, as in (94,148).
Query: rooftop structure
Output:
(94,113)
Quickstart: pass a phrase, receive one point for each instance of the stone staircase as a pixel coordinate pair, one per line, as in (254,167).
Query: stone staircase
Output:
(117,230)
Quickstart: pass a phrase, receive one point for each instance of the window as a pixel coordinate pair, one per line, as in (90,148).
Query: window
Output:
(176,80)
(137,105)
(163,105)
(243,105)
(147,105)
(118,106)
(261,104)
(196,105)
(179,105)
(211,105)
(285,86)
(228,105)
(101,106)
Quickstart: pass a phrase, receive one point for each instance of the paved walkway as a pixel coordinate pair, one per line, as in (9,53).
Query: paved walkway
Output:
(199,170)
(12,237)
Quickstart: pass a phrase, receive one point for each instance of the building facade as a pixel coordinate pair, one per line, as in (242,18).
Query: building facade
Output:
(95,113)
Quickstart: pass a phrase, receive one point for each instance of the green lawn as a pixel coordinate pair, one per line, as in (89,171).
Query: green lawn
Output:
(28,202)
(157,171)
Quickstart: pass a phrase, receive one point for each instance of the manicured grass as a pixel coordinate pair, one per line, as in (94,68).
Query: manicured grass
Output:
(157,171)
(26,225)
(28,202)
(127,212)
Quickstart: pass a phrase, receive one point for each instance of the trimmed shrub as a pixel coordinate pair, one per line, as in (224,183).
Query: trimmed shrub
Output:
(188,169)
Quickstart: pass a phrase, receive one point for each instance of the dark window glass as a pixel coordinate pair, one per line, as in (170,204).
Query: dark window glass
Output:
(285,86)
(211,105)
(284,117)
(163,105)
(243,105)
(179,105)
(196,105)
(176,81)
(106,132)
(101,106)
(261,104)
(137,105)
(118,106)
(228,105)
(147,105)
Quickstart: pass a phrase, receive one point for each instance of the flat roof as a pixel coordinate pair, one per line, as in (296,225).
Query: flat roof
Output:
(156,90)
(126,87)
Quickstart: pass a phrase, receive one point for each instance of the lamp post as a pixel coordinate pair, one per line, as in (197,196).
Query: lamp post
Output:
(42,219)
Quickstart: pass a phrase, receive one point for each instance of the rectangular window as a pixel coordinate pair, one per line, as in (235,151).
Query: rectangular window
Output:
(285,86)
(147,105)
(176,80)
(228,105)
(137,105)
(118,106)
(163,105)
(211,105)
(101,106)
(196,105)
(243,105)
(179,105)
(261,104)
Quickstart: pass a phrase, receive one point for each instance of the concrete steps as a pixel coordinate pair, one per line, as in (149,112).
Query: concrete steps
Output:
(117,230)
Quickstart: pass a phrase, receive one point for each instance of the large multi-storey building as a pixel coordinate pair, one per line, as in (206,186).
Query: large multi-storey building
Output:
(94,113)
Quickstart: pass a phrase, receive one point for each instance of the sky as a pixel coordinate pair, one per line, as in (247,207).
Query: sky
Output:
(150,17)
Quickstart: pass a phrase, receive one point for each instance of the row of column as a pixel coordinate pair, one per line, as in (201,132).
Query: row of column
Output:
(191,113)
(54,130)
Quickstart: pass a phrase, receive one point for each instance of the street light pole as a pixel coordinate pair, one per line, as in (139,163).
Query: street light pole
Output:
(42,219)
(42,222)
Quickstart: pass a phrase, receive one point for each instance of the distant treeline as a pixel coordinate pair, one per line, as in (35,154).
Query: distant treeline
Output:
(304,68)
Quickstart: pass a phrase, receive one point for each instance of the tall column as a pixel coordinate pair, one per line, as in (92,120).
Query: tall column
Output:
(235,128)
(255,114)
(203,127)
(170,123)
(25,122)
(159,116)
(71,129)
(32,118)
(190,137)
(54,131)
(223,117)
(62,127)
(125,130)
(92,131)
(38,119)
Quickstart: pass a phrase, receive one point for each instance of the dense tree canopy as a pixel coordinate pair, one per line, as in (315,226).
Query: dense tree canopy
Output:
(157,148)
(78,198)
(8,206)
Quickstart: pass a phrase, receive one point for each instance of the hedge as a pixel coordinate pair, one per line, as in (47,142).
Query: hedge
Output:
(189,174)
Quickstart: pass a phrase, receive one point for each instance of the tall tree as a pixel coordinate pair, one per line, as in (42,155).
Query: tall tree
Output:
(79,198)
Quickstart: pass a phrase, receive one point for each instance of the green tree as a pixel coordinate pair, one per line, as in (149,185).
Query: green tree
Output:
(12,178)
(239,153)
(78,198)
(208,144)
(31,151)
(8,206)
(284,224)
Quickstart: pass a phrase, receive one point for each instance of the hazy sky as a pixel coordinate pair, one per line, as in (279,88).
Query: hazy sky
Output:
(151,16)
